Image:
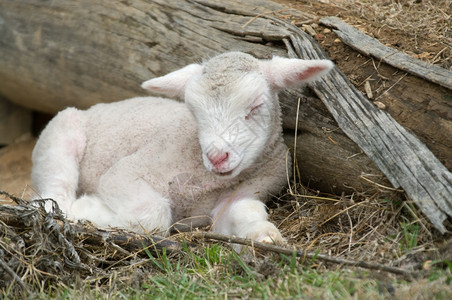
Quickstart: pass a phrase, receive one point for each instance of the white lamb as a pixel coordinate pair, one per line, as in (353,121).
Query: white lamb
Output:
(148,163)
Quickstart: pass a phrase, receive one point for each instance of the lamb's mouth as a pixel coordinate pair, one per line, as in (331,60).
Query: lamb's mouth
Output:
(230,173)
(224,174)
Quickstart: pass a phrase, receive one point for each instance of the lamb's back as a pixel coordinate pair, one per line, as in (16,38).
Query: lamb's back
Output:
(162,130)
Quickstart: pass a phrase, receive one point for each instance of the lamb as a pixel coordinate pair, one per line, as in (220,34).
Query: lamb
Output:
(147,163)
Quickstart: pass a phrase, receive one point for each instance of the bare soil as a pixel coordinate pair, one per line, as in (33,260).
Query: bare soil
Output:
(420,28)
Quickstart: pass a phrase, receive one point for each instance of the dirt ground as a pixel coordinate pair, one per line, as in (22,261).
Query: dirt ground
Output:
(420,28)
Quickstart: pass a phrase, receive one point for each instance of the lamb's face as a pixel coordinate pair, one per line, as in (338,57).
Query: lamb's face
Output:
(233,98)
(235,113)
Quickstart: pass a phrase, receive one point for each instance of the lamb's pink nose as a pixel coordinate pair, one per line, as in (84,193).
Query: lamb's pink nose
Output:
(218,159)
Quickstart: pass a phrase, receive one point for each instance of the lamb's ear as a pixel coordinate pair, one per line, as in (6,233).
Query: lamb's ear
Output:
(174,83)
(285,72)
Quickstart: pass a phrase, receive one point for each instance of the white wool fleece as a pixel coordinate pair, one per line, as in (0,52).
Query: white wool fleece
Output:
(149,163)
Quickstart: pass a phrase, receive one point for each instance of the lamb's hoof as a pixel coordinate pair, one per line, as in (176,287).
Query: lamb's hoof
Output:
(265,232)
(272,239)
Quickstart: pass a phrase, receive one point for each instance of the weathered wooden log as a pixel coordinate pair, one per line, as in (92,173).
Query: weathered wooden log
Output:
(415,102)
(371,47)
(100,51)
(15,121)
(405,161)
(66,54)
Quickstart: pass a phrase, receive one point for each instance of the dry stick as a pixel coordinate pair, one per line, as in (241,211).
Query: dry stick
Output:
(400,79)
(295,163)
(14,275)
(337,214)
(372,47)
(287,172)
(301,253)
(14,198)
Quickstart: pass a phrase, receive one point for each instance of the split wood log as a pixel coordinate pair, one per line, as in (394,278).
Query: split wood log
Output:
(66,54)
(82,53)
(15,121)
(405,161)
(371,47)
(417,104)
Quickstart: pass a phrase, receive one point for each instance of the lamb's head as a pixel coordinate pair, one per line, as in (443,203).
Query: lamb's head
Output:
(233,98)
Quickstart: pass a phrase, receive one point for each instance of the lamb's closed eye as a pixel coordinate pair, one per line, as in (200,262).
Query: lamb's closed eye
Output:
(146,163)
(254,110)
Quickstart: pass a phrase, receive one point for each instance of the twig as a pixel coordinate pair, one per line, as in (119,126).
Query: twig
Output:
(400,79)
(295,148)
(372,47)
(14,198)
(351,232)
(301,253)
(13,274)
(261,15)
(363,177)
(337,214)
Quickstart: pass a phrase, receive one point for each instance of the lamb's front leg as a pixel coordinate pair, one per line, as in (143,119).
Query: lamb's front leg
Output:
(245,217)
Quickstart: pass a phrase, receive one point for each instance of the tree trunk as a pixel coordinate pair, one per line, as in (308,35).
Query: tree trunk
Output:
(15,121)
(56,54)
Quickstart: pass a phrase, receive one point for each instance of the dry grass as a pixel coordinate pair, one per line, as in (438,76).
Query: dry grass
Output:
(420,28)
(428,25)
(39,250)
(431,19)
(379,227)
(43,250)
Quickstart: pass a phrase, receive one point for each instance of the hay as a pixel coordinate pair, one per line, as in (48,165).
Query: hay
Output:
(420,28)
(366,227)
(40,249)
(426,23)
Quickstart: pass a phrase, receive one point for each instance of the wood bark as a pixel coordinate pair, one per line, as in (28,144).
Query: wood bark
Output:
(415,102)
(371,47)
(69,53)
(15,121)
